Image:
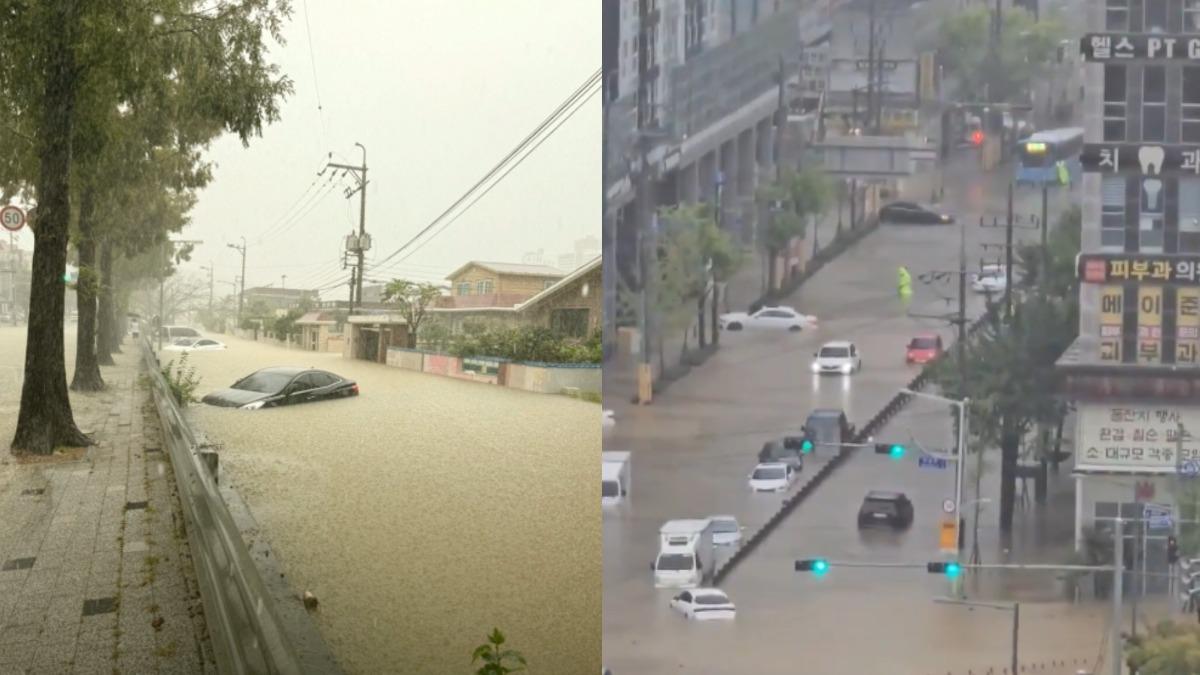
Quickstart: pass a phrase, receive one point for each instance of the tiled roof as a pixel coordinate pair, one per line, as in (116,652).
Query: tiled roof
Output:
(512,268)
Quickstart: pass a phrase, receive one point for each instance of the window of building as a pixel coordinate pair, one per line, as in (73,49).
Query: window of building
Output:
(1189,215)
(483,286)
(1155,16)
(1114,102)
(1190,110)
(1191,16)
(1112,213)
(1116,15)
(464,288)
(570,322)
(1150,221)
(1154,103)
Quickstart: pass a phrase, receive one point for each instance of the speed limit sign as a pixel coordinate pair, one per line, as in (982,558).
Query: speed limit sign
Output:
(12,218)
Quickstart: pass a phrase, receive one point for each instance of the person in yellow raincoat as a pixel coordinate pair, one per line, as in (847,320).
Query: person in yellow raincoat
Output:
(1064,174)
(904,285)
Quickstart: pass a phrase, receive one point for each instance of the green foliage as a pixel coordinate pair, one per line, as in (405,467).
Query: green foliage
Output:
(1168,649)
(284,326)
(436,336)
(182,380)
(1027,48)
(497,660)
(414,300)
(790,204)
(688,239)
(529,343)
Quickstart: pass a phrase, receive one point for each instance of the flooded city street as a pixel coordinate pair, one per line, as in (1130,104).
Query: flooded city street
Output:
(422,513)
(692,451)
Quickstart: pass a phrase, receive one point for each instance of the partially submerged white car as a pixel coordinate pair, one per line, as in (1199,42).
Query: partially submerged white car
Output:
(704,604)
(195,345)
(839,357)
(772,477)
(770,317)
(991,279)
(726,531)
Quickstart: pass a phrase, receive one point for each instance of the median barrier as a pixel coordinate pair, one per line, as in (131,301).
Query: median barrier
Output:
(876,423)
(247,635)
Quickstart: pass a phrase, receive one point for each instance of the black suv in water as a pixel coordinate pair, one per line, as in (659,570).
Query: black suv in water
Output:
(886,509)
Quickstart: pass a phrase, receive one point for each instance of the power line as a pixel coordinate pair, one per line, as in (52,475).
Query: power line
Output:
(316,87)
(289,210)
(591,82)
(481,195)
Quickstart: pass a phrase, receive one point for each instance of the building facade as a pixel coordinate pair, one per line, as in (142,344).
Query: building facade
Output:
(1133,370)
(707,75)
(480,284)
(279,300)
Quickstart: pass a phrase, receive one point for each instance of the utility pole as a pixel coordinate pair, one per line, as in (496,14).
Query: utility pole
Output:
(168,251)
(645,204)
(283,283)
(361,243)
(209,269)
(780,125)
(1045,237)
(241,293)
(870,63)
(1008,256)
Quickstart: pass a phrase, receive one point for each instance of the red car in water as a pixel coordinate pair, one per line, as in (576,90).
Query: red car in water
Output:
(924,348)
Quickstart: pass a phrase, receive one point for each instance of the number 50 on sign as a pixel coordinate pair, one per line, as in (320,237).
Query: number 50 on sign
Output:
(12,218)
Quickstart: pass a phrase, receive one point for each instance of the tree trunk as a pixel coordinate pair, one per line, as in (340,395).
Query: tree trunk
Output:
(716,335)
(107,318)
(700,322)
(45,421)
(1010,445)
(87,368)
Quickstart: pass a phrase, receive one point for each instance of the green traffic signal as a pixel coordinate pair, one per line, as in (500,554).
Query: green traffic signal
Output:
(896,451)
(951,569)
(893,450)
(806,446)
(818,566)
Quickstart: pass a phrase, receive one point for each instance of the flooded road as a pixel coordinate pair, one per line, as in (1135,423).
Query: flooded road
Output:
(694,447)
(424,512)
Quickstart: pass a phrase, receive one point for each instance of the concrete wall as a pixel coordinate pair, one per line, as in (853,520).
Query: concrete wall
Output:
(541,378)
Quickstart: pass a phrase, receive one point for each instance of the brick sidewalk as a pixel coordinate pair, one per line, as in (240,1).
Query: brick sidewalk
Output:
(95,570)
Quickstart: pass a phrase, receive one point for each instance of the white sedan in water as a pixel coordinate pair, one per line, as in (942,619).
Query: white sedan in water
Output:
(195,345)
(704,604)
(772,477)
(770,317)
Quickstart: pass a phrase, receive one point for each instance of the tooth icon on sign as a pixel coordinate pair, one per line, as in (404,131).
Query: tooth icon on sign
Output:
(1151,156)
(1152,188)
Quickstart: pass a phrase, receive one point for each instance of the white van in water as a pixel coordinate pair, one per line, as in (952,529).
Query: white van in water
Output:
(685,554)
(614,478)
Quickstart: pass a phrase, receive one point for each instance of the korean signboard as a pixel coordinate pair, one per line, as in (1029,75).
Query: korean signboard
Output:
(1187,326)
(1102,268)
(1150,159)
(1134,437)
(1101,47)
(1112,312)
(1149,324)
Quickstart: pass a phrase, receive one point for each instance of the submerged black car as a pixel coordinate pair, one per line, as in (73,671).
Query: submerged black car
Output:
(885,509)
(911,213)
(271,387)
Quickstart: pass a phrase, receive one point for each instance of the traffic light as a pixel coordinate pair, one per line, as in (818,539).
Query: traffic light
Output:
(801,443)
(893,450)
(951,569)
(977,137)
(806,446)
(818,566)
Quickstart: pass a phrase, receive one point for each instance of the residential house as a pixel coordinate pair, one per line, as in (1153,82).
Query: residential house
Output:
(491,284)
(571,304)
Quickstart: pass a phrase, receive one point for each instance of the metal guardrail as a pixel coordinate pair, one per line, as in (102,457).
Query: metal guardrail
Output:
(246,631)
(876,423)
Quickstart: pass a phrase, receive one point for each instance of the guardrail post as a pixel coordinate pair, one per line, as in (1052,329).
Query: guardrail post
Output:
(212,463)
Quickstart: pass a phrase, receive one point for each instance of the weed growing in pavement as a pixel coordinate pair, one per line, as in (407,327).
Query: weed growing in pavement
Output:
(182,380)
(497,661)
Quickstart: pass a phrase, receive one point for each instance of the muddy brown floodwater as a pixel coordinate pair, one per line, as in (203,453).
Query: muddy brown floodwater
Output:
(424,512)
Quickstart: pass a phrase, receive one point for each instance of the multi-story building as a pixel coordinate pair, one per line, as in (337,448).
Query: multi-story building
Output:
(707,76)
(279,300)
(493,284)
(1133,370)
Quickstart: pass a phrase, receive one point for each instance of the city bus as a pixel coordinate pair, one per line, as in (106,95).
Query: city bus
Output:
(1038,156)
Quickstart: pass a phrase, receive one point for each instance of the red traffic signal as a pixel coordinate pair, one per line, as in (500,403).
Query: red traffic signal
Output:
(977,137)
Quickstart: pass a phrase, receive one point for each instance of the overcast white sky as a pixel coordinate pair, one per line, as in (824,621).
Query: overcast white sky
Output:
(438,92)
